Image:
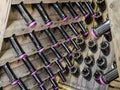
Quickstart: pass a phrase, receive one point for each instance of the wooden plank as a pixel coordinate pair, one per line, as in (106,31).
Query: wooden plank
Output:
(27,79)
(115,83)
(23,29)
(114,13)
(44,1)
(4,13)
(21,25)
(112,88)
(10,55)
(11,28)
(66,87)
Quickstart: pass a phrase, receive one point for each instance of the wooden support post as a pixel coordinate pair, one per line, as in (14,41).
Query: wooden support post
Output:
(5,6)
(114,15)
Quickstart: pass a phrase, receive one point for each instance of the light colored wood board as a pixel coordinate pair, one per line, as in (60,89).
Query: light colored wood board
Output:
(34,12)
(4,13)
(10,55)
(115,83)
(27,81)
(12,23)
(114,13)
(23,29)
(37,66)
(33,86)
(35,60)
(112,88)
(43,38)
(44,1)
(21,25)
(12,58)
(22,72)
(66,87)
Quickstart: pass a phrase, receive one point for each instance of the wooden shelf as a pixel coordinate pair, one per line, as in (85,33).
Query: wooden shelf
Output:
(7,31)
(10,55)
(16,25)
(44,1)
(23,29)
(41,75)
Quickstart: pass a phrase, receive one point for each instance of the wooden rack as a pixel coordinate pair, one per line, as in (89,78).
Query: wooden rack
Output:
(5,11)
(12,23)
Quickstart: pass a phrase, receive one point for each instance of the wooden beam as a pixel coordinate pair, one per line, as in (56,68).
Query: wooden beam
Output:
(114,13)
(44,1)
(5,6)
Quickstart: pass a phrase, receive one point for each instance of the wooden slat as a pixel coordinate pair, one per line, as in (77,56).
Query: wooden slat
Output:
(21,25)
(66,87)
(114,13)
(41,72)
(44,1)
(10,55)
(112,88)
(115,84)
(11,25)
(5,6)
(22,29)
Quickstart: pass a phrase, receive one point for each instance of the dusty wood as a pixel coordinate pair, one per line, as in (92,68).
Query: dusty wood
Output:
(21,25)
(10,55)
(27,79)
(44,1)
(5,6)
(114,13)
(22,29)
(66,87)
(115,84)
(112,88)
